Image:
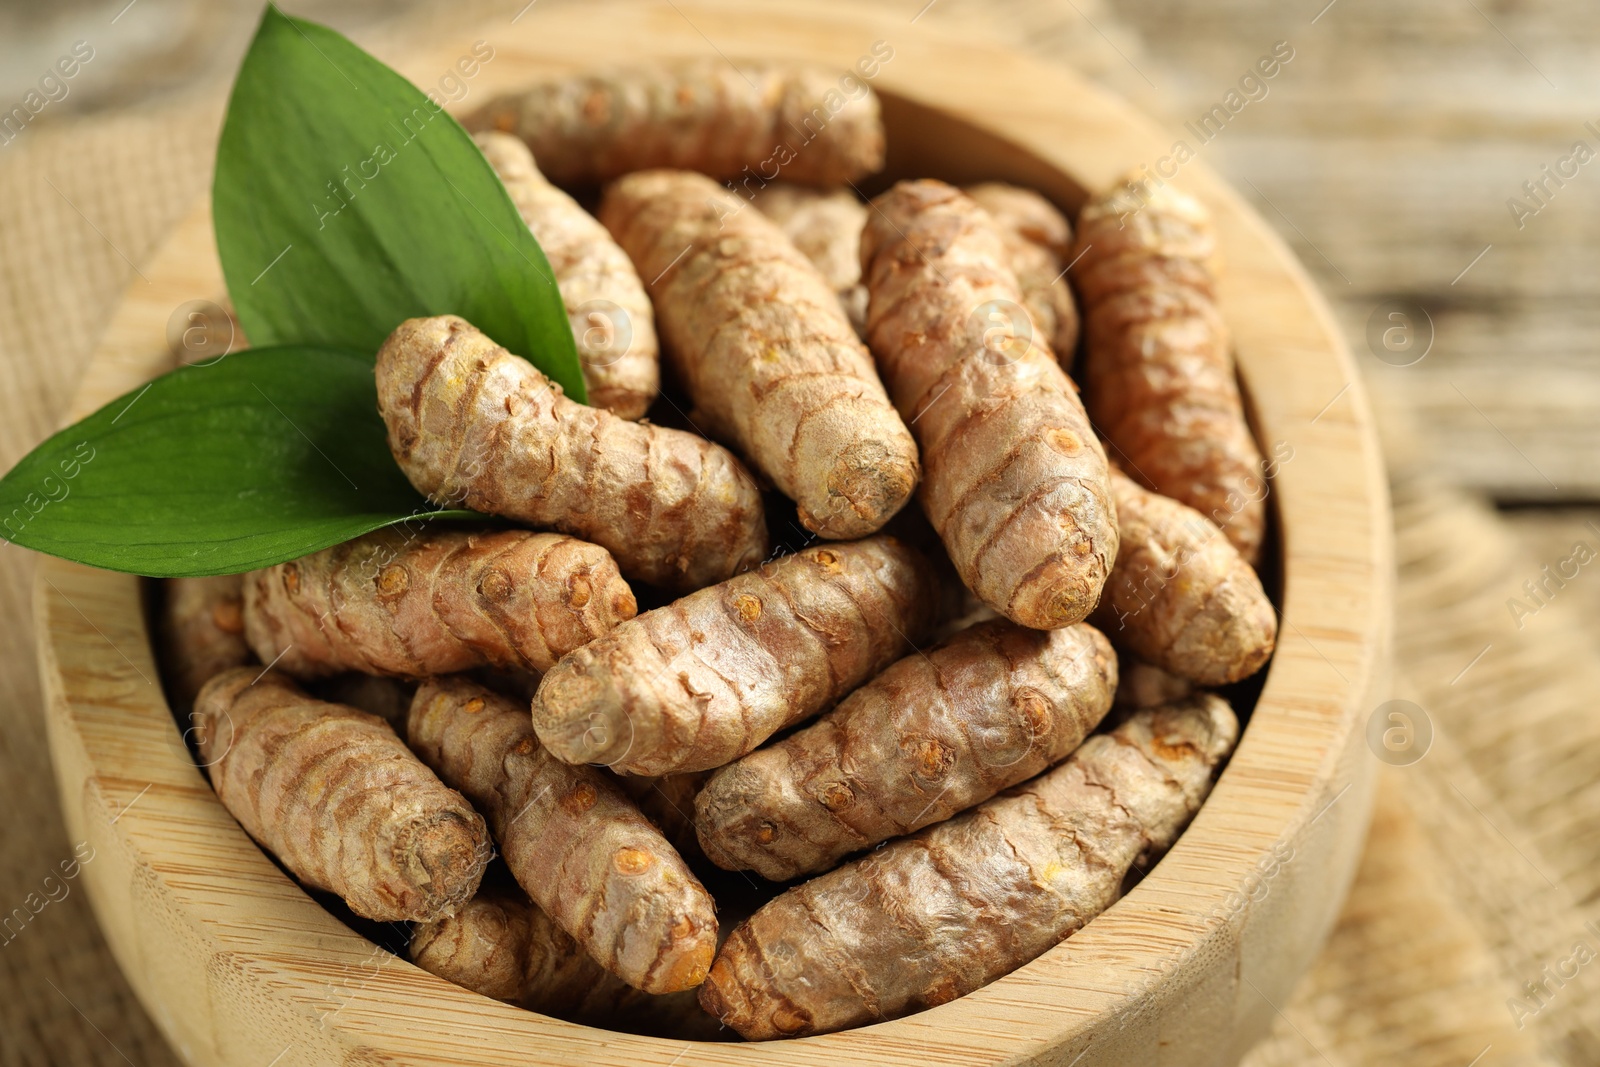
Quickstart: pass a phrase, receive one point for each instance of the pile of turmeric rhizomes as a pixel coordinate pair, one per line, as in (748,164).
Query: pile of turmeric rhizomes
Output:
(908,741)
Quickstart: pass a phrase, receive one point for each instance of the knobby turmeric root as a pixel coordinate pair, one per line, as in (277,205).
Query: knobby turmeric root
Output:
(1158,369)
(702,115)
(931,736)
(612,321)
(1180,596)
(579,848)
(702,681)
(337,796)
(1014,479)
(825,225)
(201,632)
(1038,240)
(504,946)
(929,918)
(412,605)
(765,351)
(473,425)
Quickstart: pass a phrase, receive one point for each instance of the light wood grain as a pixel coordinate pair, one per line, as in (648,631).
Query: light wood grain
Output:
(238,965)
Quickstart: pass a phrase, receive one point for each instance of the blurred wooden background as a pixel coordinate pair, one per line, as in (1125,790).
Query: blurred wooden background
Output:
(1385,152)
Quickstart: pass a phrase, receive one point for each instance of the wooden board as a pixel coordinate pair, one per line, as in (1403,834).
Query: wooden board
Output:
(239,966)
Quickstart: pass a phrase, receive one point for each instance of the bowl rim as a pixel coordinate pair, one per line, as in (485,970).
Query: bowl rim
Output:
(1181,940)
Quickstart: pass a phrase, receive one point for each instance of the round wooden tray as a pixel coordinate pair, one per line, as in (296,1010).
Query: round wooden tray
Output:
(239,966)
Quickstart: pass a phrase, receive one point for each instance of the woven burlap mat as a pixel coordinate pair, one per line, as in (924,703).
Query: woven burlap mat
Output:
(1483,867)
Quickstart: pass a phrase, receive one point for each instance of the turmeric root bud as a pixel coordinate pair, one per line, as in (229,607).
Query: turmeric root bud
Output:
(473,425)
(402,844)
(1180,596)
(963,902)
(765,350)
(703,115)
(1158,373)
(704,680)
(579,848)
(1038,240)
(825,225)
(612,321)
(931,736)
(448,600)
(1014,479)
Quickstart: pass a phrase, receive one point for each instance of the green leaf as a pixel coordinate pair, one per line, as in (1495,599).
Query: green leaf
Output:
(263,457)
(347,201)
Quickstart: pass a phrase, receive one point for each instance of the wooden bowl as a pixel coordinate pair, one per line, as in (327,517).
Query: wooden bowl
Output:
(239,966)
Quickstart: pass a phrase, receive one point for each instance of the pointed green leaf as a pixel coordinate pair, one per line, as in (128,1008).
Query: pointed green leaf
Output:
(263,457)
(346,201)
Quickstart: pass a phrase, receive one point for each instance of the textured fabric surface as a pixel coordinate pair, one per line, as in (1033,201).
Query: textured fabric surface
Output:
(1484,864)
